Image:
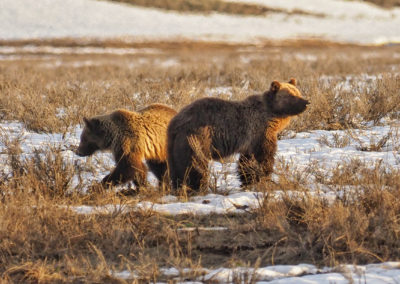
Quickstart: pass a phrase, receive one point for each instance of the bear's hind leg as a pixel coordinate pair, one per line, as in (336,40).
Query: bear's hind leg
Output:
(180,165)
(158,169)
(193,179)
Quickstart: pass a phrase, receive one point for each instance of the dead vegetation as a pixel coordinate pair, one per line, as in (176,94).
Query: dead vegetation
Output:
(357,84)
(385,3)
(234,8)
(209,6)
(42,240)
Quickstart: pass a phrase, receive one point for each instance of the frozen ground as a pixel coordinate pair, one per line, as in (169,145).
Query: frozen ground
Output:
(304,150)
(335,20)
(388,272)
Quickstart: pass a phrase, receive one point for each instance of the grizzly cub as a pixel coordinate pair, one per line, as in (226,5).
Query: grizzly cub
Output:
(132,138)
(212,128)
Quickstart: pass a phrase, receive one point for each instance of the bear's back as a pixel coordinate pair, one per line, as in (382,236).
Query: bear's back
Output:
(152,116)
(223,115)
(143,131)
(159,111)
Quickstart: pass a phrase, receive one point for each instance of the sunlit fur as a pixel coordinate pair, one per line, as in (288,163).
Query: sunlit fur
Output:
(132,137)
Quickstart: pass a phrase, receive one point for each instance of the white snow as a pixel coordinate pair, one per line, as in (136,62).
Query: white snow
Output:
(210,203)
(32,49)
(341,21)
(303,151)
(387,272)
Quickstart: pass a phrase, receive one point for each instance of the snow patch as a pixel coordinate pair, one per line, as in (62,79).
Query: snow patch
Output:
(387,272)
(341,21)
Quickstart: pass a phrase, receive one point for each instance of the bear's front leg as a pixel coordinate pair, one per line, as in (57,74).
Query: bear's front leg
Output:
(249,170)
(259,163)
(128,168)
(252,171)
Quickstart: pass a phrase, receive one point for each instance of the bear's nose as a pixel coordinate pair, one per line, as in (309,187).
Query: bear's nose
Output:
(78,152)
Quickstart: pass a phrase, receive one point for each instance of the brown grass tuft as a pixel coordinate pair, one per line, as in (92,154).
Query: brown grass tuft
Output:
(208,6)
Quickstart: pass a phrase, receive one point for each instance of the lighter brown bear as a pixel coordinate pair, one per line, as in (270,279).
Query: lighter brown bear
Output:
(132,137)
(212,128)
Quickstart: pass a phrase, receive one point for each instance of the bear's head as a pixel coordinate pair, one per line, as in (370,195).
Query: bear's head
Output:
(284,99)
(93,137)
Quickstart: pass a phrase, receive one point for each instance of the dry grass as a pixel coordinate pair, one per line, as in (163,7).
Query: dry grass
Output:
(42,241)
(385,3)
(179,76)
(235,8)
(208,6)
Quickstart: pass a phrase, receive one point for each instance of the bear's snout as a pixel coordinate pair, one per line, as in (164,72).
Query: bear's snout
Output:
(302,104)
(84,151)
(297,106)
(75,149)
(79,152)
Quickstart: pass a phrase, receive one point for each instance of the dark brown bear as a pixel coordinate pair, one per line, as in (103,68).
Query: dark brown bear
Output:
(132,137)
(213,128)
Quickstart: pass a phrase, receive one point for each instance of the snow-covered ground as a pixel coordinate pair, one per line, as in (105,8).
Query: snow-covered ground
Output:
(304,150)
(335,20)
(383,273)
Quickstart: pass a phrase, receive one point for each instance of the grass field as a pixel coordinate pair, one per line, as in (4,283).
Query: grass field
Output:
(50,89)
(235,8)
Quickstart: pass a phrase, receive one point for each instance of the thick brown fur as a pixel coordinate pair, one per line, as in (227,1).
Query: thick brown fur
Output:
(132,138)
(212,128)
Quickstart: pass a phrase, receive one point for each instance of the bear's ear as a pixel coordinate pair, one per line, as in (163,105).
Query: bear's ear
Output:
(275,86)
(293,81)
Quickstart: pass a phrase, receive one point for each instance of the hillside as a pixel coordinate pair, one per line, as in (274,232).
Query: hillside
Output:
(333,20)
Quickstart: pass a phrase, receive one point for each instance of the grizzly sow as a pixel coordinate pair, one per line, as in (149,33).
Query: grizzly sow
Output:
(213,128)
(132,137)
